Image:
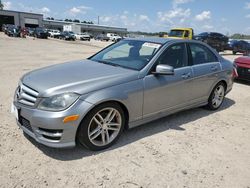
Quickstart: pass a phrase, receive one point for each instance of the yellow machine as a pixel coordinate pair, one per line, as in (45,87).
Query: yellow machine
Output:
(181,33)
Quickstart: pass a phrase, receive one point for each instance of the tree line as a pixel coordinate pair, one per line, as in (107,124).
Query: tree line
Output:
(70,20)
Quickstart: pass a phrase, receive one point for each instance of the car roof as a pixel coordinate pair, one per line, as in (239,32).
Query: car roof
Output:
(153,39)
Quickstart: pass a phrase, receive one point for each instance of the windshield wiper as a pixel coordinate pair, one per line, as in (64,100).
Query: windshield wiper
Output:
(107,63)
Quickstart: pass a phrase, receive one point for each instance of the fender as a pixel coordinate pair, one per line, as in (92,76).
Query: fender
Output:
(129,94)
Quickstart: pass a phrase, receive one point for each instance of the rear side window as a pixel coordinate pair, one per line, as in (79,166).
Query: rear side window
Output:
(201,54)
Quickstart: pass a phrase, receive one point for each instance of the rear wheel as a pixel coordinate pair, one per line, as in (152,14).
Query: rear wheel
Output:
(101,127)
(216,97)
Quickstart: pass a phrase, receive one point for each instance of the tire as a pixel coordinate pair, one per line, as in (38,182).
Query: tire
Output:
(216,97)
(103,134)
(234,52)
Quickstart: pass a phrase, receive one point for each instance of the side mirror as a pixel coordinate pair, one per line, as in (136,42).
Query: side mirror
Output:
(164,70)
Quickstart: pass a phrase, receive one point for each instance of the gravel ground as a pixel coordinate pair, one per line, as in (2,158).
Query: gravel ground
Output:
(194,148)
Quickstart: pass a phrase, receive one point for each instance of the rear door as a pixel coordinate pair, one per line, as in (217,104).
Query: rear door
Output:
(205,66)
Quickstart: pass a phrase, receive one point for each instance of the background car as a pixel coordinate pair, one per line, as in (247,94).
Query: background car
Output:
(67,35)
(13,31)
(102,37)
(31,31)
(5,27)
(240,46)
(53,32)
(217,41)
(90,34)
(243,67)
(82,36)
(114,37)
(41,32)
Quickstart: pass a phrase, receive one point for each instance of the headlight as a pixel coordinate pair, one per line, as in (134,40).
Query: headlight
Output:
(58,102)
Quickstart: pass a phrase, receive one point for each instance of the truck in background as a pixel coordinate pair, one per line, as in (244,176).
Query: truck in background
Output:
(181,33)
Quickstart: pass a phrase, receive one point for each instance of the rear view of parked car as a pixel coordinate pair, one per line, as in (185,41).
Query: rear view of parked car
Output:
(217,41)
(243,67)
(67,35)
(127,84)
(102,37)
(239,46)
(40,32)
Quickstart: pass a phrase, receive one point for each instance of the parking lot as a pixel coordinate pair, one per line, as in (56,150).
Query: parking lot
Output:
(194,148)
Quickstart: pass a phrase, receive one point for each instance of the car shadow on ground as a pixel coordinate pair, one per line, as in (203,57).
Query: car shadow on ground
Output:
(244,82)
(174,122)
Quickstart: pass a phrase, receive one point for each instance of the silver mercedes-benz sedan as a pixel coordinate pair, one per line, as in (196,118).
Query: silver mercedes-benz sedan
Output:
(124,85)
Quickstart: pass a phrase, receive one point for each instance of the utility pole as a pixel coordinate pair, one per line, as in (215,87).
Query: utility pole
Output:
(98,20)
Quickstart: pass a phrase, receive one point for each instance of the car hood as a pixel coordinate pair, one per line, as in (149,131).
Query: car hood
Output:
(243,61)
(80,77)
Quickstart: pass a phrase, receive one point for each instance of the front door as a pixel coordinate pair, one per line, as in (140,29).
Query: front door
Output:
(166,92)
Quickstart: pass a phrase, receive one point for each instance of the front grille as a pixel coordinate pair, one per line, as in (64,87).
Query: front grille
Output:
(25,95)
(25,123)
(243,73)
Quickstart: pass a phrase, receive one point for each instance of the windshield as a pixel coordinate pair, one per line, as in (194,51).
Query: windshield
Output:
(176,33)
(131,54)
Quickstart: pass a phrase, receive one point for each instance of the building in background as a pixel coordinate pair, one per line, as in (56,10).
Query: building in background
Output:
(33,20)
(23,19)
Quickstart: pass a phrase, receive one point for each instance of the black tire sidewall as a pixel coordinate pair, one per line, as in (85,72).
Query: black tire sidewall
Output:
(82,132)
(210,103)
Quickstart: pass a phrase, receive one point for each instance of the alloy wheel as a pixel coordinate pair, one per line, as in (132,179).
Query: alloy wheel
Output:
(104,127)
(218,96)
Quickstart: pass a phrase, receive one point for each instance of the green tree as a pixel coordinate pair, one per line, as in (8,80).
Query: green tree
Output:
(1,5)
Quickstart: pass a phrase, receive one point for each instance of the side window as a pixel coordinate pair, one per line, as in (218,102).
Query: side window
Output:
(201,54)
(174,56)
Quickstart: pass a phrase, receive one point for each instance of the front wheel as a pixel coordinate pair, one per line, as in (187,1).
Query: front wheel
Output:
(216,97)
(101,127)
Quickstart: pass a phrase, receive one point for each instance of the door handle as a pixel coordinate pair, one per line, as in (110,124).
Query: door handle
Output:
(186,75)
(214,68)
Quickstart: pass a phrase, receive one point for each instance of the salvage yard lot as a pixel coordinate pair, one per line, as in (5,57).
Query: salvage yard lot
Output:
(194,148)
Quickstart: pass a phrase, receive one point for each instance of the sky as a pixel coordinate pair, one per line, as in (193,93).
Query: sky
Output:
(225,16)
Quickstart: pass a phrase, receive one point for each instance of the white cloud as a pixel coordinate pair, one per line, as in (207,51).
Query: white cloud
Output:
(247,16)
(205,15)
(247,5)
(143,18)
(105,19)
(79,10)
(75,10)
(45,10)
(7,5)
(177,13)
(176,3)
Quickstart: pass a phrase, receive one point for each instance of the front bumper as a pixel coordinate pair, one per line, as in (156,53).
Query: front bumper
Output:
(48,128)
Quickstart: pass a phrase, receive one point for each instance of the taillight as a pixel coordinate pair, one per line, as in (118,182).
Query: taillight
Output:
(235,73)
